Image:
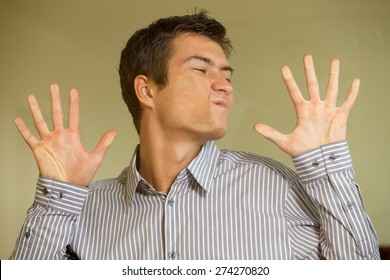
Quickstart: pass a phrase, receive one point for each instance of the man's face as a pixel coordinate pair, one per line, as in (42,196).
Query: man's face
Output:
(198,96)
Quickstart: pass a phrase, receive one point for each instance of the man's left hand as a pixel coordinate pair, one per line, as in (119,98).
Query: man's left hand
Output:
(319,122)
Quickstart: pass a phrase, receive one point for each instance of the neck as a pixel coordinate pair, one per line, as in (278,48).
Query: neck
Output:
(161,159)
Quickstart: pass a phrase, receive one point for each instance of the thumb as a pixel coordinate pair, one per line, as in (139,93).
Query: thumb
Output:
(271,134)
(104,143)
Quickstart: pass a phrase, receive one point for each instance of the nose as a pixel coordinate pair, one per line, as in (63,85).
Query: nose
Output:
(222,85)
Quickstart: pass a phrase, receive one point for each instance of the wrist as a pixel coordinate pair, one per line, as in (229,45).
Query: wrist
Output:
(319,162)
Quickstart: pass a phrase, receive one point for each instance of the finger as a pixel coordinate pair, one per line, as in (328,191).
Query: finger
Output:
(311,78)
(271,134)
(31,141)
(333,83)
(351,98)
(292,86)
(39,121)
(103,145)
(74,111)
(56,107)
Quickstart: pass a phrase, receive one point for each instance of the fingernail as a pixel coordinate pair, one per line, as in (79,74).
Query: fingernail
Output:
(356,83)
(73,92)
(286,71)
(308,56)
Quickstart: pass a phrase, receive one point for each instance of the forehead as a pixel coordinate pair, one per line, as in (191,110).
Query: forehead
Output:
(190,44)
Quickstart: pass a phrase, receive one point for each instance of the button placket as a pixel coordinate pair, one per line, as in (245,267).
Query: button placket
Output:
(171,233)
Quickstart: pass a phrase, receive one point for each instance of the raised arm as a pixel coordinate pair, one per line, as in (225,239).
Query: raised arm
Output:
(66,169)
(322,159)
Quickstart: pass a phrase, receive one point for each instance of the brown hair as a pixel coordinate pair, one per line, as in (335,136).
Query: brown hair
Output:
(148,51)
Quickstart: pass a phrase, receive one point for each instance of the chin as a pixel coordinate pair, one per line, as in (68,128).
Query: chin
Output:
(217,134)
(210,132)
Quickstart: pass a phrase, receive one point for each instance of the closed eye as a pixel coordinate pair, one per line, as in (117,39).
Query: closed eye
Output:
(202,70)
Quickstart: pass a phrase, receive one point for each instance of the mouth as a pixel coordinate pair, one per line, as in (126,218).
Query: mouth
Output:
(221,104)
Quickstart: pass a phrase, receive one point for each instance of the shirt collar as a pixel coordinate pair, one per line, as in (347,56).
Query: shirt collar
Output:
(204,165)
(202,168)
(133,177)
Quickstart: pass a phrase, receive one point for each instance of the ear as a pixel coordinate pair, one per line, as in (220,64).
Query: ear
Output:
(143,91)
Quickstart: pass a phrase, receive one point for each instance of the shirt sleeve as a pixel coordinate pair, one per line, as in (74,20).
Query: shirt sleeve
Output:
(346,231)
(51,220)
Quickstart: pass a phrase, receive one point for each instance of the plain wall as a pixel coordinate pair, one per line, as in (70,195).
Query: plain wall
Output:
(77,44)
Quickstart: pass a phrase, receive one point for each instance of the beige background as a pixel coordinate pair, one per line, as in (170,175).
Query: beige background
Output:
(77,44)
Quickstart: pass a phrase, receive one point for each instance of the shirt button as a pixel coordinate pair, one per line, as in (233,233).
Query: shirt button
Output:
(44,191)
(172,255)
(60,195)
(27,234)
(315,164)
(170,202)
(349,205)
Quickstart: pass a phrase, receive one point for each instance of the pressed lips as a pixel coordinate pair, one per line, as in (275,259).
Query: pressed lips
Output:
(221,103)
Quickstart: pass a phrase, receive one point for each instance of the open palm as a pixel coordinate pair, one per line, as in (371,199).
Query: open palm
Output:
(60,153)
(319,121)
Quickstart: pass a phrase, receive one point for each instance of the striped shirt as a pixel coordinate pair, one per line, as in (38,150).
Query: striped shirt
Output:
(223,205)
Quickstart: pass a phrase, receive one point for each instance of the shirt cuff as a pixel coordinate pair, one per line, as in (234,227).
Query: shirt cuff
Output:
(60,196)
(320,162)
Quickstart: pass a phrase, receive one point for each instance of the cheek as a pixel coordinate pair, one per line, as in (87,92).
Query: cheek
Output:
(183,84)
(190,93)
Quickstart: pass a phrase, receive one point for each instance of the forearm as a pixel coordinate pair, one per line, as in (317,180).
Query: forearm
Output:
(346,231)
(51,221)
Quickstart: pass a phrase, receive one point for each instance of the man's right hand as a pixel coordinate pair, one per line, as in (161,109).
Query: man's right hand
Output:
(60,154)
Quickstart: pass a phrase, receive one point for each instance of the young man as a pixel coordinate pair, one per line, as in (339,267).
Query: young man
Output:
(181,197)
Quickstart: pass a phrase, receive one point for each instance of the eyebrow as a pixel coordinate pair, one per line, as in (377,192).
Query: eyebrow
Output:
(210,62)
